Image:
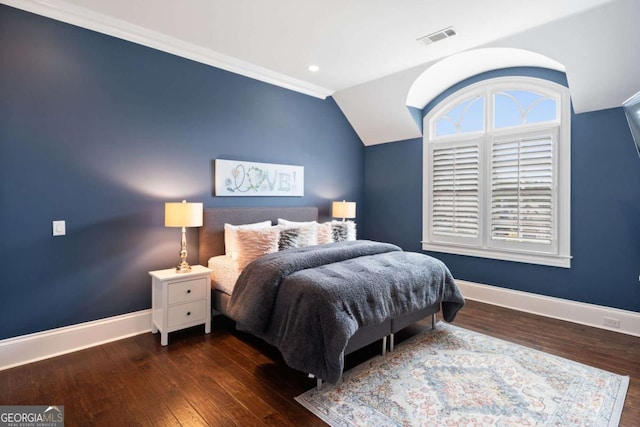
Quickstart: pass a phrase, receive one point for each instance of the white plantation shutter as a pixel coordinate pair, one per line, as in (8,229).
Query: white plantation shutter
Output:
(455,200)
(522,190)
(497,183)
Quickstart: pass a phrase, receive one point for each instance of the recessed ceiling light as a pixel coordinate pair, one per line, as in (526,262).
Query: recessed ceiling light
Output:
(313,68)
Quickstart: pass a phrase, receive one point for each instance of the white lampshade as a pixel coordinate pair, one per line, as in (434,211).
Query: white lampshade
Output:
(343,209)
(182,214)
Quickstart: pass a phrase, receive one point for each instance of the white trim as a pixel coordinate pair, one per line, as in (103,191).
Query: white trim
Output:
(557,308)
(55,342)
(42,345)
(559,254)
(81,17)
(528,258)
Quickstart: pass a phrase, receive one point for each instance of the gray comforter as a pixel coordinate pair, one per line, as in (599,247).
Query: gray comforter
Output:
(308,302)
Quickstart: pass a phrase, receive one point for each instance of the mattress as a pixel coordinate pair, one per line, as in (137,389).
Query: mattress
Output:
(224,274)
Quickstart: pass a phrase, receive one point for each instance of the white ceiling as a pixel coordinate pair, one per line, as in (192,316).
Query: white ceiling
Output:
(359,45)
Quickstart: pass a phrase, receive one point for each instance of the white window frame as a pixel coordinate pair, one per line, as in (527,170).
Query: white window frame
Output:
(559,253)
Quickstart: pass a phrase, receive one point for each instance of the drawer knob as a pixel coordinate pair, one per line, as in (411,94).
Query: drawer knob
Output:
(188,291)
(188,313)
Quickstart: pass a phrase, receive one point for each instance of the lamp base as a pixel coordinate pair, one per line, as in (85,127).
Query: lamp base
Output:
(183,267)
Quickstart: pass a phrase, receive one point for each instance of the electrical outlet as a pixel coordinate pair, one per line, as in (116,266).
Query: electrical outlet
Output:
(611,322)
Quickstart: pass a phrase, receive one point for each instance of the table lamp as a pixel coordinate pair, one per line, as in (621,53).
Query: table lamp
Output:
(343,210)
(183,215)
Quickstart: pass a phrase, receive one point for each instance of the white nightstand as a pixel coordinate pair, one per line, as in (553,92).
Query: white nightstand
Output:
(180,300)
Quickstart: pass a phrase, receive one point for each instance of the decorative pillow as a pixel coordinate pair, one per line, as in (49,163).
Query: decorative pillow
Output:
(324,233)
(255,242)
(231,239)
(351,231)
(308,235)
(339,231)
(343,231)
(288,238)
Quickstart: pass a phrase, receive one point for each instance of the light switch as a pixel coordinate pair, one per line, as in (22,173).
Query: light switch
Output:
(59,228)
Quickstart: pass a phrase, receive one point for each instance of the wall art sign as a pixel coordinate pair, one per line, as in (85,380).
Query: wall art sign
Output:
(240,178)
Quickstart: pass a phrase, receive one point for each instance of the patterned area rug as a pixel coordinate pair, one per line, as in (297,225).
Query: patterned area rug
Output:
(456,377)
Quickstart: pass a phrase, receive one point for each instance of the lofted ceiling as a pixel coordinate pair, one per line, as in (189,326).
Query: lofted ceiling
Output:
(367,51)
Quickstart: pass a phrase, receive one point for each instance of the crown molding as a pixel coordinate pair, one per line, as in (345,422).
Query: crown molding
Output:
(85,18)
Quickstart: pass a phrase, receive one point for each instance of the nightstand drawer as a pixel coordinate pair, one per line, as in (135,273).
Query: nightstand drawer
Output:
(186,313)
(189,290)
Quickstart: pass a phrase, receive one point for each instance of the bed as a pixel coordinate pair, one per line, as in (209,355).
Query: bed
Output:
(314,328)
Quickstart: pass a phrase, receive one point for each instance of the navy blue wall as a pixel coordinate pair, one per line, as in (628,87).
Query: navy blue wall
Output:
(605,211)
(101,132)
(393,193)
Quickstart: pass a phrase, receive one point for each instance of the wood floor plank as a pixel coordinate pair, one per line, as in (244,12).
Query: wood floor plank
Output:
(272,407)
(228,378)
(206,384)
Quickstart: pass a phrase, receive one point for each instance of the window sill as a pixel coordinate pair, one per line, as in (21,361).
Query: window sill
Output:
(529,258)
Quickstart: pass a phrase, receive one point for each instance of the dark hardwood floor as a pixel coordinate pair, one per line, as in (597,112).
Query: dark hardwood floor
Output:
(228,378)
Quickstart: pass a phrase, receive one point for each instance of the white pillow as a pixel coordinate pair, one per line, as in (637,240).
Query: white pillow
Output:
(255,242)
(286,222)
(231,239)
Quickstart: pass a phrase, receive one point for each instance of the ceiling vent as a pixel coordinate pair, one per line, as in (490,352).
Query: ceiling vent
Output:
(437,36)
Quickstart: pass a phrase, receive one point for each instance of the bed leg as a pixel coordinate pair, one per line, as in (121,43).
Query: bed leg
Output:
(384,346)
(391,342)
(318,381)
(433,321)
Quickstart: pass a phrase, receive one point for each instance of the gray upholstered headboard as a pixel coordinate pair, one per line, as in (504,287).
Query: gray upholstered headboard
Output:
(211,234)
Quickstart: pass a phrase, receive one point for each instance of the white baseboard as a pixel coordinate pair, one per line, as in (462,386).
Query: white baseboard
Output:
(557,308)
(42,345)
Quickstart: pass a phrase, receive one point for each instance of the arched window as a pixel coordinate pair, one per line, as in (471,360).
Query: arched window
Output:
(497,172)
